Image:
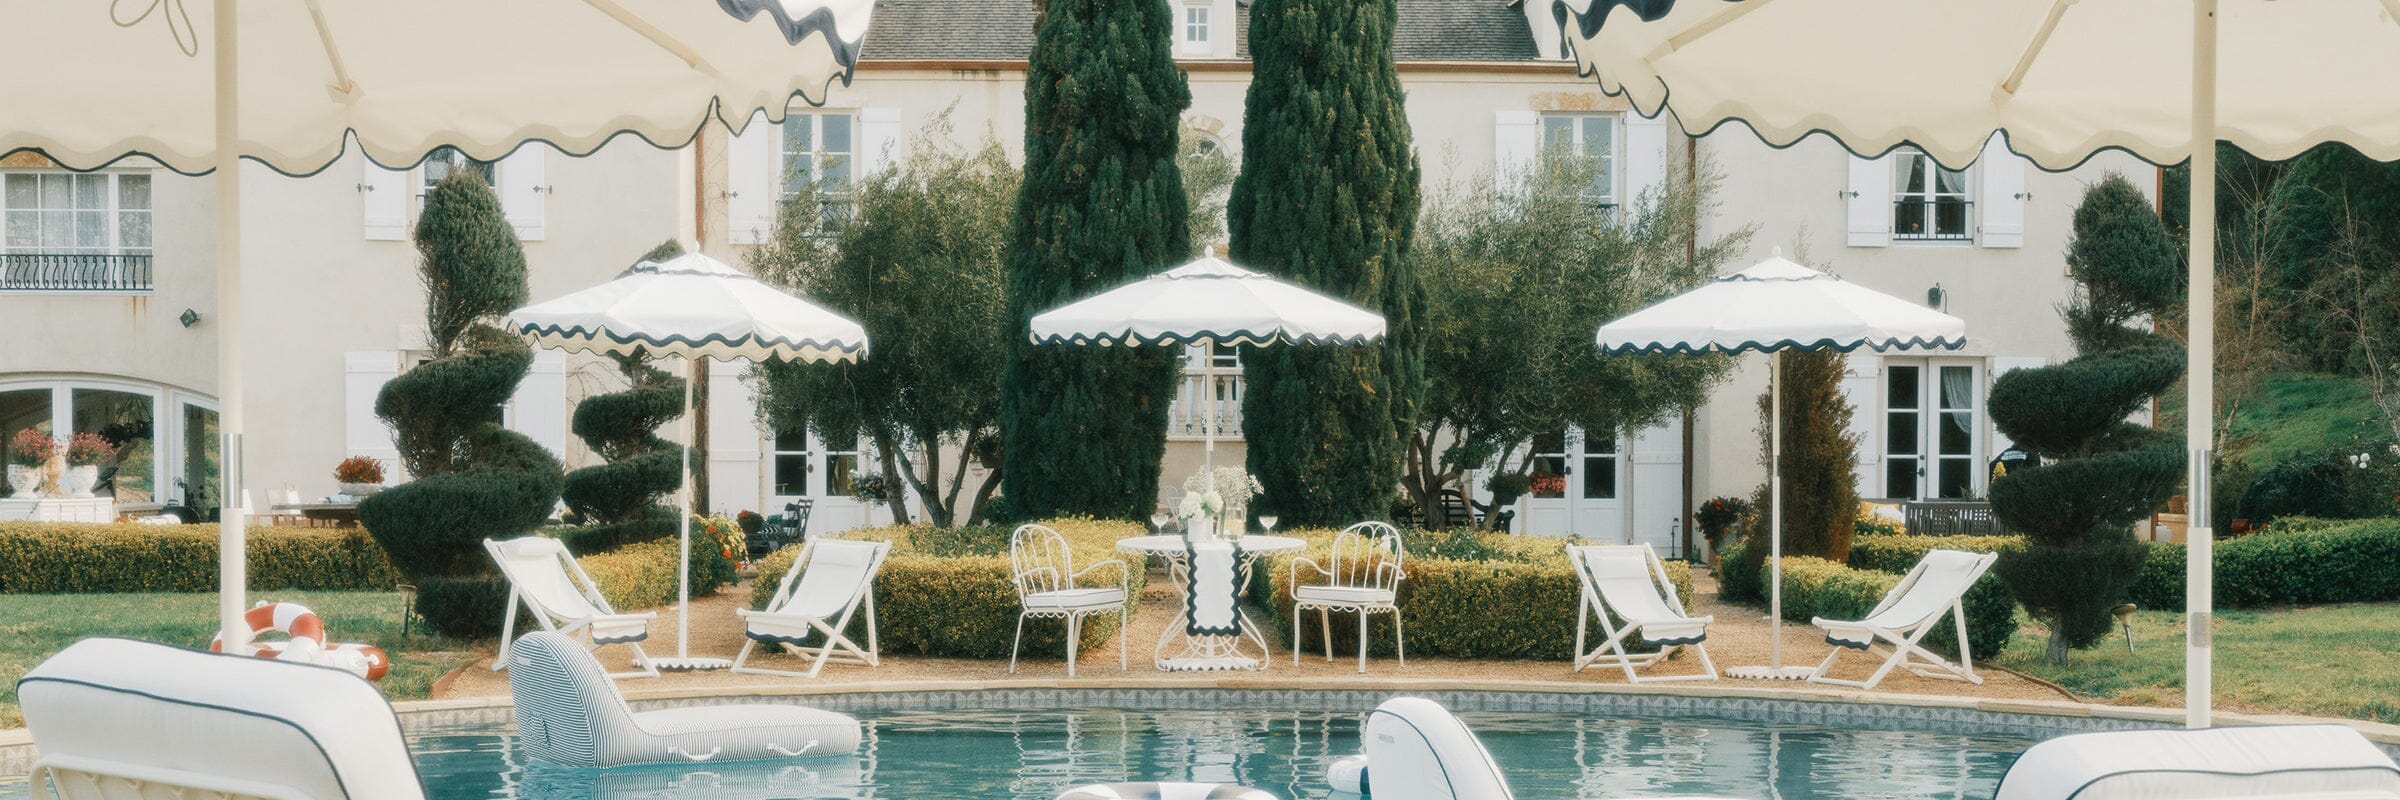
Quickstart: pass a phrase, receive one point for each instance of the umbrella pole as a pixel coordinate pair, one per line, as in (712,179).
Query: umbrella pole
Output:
(1208,394)
(1775,513)
(232,558)
(683,522)
(2200,418)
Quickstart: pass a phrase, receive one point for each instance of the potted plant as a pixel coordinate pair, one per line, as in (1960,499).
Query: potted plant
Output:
(1211,501)
(86,452)
(29,454)
(1506,487)
(360,476)
(1719,517)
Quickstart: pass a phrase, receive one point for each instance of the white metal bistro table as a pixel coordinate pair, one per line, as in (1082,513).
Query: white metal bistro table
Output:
(1247,549)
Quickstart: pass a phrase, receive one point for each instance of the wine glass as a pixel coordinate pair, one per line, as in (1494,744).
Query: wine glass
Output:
(1159,521)
(1266,523)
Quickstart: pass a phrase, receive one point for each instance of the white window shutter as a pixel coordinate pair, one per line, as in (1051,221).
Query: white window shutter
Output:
(735,463)
(2002,176)
(523,183)
(1860,388)
(1870,199)
(384,194)
(1516,142)
(754,172)
(539,408)
(364,372)
(2002,365)
(879,140)
(1644,162)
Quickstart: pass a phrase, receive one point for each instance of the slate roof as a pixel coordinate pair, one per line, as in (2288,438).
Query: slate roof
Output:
(1002,30)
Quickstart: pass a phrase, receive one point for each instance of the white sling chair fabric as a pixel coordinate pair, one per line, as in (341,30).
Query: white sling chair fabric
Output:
(1632,582)
(1937,584)
(562,598)
(828,583)
(164,719)
(2287,762)
(568,712)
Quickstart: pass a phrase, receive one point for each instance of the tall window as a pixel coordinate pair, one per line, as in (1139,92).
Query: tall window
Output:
(56,211)
(1591,136)
(819,154)
(1599,466)
(791,462)
(1930,414)
(448,161)
(1929,203)
(1196,39)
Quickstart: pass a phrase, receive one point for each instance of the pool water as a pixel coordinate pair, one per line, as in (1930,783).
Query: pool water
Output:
(1037,754)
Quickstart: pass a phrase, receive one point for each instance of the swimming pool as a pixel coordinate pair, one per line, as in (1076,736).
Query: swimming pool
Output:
(910,755)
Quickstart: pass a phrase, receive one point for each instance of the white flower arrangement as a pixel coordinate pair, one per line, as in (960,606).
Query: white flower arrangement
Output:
(1216,495)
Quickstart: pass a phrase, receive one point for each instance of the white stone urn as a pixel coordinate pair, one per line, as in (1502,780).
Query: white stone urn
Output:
(78,481)
(361,491)
(24,480)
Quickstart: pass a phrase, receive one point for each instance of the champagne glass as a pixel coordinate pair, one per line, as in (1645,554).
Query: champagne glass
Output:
(1159,520)
(1266,523)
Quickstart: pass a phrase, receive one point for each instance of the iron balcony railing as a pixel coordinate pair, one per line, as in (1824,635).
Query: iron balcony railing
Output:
(75,272)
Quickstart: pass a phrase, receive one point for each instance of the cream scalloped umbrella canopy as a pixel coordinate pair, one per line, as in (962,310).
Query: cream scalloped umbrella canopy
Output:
(692,307)
(2063,79)
(292,81)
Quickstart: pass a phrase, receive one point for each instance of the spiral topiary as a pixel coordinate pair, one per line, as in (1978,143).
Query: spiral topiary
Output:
(471,478)
(621,428)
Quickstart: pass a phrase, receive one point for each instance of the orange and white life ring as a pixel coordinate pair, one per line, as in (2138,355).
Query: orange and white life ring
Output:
(305,642)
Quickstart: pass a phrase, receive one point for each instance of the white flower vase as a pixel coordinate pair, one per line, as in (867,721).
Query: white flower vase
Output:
(78,481)
(1200,530)
(24,480)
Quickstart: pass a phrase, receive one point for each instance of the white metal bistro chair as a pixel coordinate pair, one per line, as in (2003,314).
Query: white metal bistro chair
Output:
(543,575)
(1363,575)
(1937,584)
(828,583)
(1046,580)
(1630,581)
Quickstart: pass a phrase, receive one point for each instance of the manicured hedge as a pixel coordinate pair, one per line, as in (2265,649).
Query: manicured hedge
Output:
(1815,587)
(2296,561)
(948,592)
(639,576)
(59,557)
(1467,595)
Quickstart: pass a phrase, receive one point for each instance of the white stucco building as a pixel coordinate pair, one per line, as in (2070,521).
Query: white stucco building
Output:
(98,270)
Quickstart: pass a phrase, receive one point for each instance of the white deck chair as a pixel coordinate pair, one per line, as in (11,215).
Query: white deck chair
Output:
(1938,583)
(118,718)
(562,598)
(1631,581)
(1045,576)
(827,583)
(1362,575)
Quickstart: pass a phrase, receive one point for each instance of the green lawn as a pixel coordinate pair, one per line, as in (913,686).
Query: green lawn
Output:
(33,626)
(2330,661)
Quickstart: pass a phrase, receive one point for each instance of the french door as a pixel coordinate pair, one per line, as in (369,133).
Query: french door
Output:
(1932,414)
(1578,487)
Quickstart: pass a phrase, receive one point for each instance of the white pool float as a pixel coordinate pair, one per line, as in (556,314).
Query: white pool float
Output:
(1165,791)
(2287,762)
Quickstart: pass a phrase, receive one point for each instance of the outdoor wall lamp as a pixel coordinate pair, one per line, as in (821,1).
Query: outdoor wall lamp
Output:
(189,318)
(1934,297)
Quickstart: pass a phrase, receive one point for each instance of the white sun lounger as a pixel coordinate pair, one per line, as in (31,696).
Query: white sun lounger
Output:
(826,585)
(1629,579)
(2283,762)
(118,718)
(1937,584)
(562,598)
(568,712)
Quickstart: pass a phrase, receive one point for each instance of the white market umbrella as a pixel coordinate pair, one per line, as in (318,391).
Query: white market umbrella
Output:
(1206,302)
(1772,307)
(2161,79)
(288,84)
(694,307)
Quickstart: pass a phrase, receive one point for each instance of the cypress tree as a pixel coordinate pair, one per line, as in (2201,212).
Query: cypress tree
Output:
(1328,198)
(1102,203)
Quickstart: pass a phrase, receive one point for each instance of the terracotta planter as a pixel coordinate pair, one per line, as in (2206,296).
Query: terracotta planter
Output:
(78,481)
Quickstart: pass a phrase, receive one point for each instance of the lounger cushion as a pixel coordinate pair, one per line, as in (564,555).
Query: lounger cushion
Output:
(1075,599)
(1342,594)
(569,713)
(2281,761)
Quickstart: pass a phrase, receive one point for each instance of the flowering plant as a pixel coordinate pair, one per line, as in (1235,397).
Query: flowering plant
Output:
(1216,494)
(722,535)
(89,450)
(1547,485)
(359,469)
(31,448)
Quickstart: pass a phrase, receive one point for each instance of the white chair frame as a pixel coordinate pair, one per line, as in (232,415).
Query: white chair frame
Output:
(1905,643)
(1611,651)
(838,646)
(1040,563)
(563,623)
(1366,556)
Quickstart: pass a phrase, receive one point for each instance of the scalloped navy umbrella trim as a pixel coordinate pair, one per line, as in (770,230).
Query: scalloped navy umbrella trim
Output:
(581,334)
(1687,348)
(1244,336)
(845,52)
